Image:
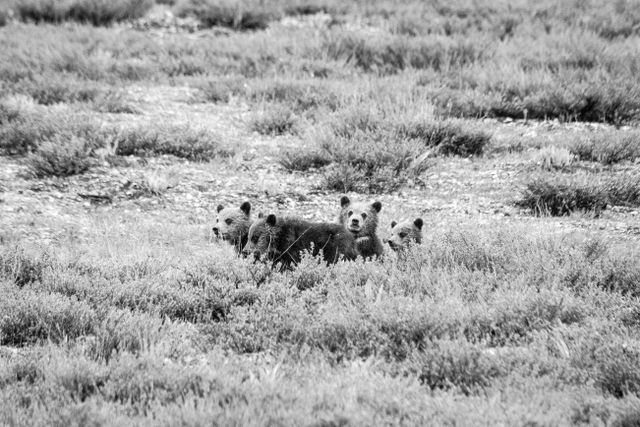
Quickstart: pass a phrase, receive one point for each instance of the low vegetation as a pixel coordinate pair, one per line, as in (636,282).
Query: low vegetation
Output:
(499,322)
(561,195)
(60,157)
(119,307)
(608,148)
(96,12)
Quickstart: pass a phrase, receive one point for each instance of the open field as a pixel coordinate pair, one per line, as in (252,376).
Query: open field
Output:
(510,128)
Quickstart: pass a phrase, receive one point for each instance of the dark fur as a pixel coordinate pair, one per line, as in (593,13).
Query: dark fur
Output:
(282,240)
(363,229)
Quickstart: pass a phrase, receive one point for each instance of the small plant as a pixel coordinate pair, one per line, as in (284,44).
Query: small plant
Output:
(54,91)
(96,12)
(556,196)
(608,148)
(60,157)
(244,15)
(178,140)
(115,103)
(156,183)
(276,120)
(553,158)
(303,160)
(221,90)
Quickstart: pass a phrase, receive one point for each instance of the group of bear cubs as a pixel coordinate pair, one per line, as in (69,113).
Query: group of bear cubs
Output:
(282,240)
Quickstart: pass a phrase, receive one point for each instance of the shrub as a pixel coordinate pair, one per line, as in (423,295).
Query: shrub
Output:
(60,157)
(54,91)
(244,15)
(300,96)
(21,268)
(557,196)
(456,364)
(113,103)
(180,141)
(276,120)
(221,90)
(30,316)
(608,148)
(24,133)
(615,365)
(553,158)
(623,189)
(303,159)
(448,137)
(389,54)
(96,12)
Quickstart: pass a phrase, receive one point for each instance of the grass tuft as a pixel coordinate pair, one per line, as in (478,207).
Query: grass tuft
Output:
(556,196)
(180,141)
(60,157)
(96,12)
(275,120)
(608,148)
(243,15)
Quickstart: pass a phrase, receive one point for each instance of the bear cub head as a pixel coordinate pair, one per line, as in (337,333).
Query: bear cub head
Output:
(261,239)
(405,233)
(359,218)
(232,224)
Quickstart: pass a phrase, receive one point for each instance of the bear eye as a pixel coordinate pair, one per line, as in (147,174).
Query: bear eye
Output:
(364,215)
(228,221)
(350,213)
(402,235)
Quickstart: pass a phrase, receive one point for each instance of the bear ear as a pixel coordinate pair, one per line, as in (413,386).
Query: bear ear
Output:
(344,201)
(377,206)
(271,220)
(246,208)
(260,215)
(393,224)
(219,208)
(418,223)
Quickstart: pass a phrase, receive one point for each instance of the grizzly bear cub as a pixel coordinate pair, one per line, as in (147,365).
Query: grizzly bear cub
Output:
(282,240)
(362,221)
(405,233)
(232,225)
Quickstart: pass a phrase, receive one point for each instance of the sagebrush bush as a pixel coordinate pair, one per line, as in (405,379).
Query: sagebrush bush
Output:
(21,267)
(60,157)
(30,316)
(388,54)
(242,15)
(554,158)
(114,103)
(303,160)
(275,120)
(608,148)
(178,140)
(25,132)
(624,189)
(222,89)
(96,12)
(300,96)
(559,196)
(458,365)
(54,91)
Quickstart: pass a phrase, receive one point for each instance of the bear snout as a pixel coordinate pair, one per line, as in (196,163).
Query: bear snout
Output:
(216,231)
(355,221)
